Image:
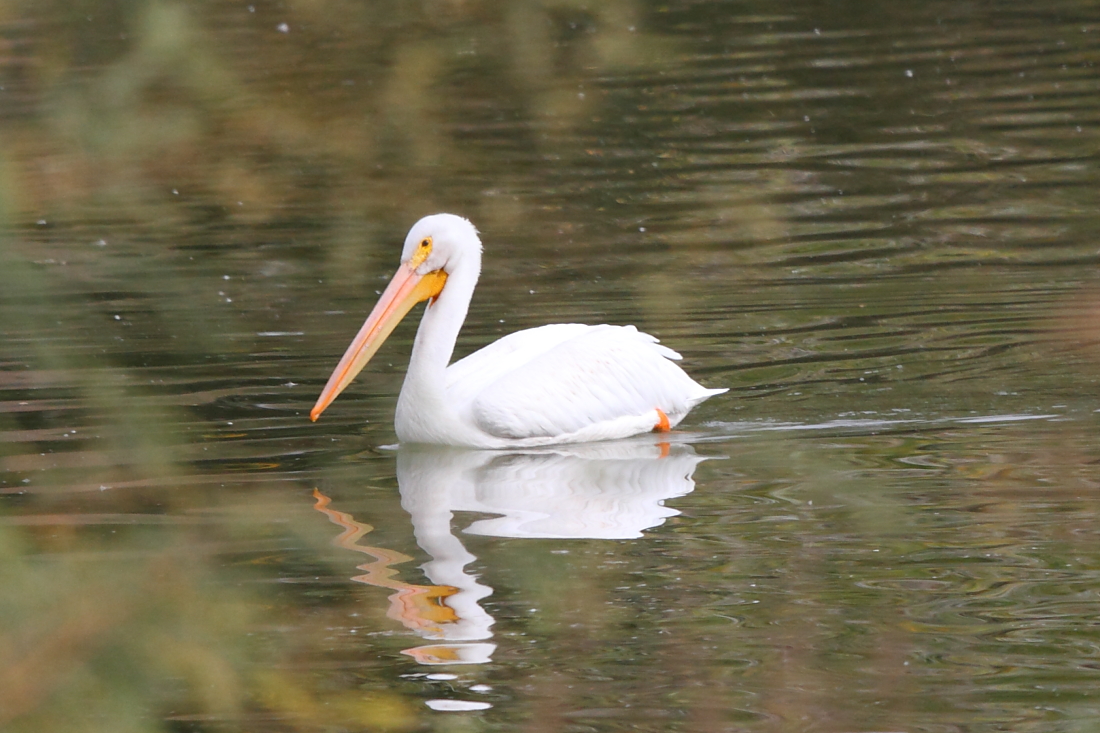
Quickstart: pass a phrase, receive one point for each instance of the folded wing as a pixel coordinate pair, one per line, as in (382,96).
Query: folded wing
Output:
(563,379)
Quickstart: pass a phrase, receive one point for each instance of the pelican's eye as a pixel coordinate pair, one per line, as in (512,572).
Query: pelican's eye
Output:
(420,254)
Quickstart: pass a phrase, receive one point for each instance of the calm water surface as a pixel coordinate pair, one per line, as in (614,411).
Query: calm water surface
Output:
(876,225)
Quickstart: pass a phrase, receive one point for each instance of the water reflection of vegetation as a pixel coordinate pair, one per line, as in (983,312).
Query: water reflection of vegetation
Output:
(124,628)
(185,117)
(150,148)
(137,119)
(117,610)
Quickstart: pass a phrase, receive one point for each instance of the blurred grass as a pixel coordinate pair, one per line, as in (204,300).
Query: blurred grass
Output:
(124,103)
(131,130)
(96,642)
(195,140)
(106,622)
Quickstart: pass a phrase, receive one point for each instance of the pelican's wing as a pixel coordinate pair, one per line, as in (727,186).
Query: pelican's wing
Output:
(469,376)
(596,382)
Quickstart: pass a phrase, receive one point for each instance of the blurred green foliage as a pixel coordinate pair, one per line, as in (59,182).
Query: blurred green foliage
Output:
(120,638)
(130,130)
(253,111)
(175,177)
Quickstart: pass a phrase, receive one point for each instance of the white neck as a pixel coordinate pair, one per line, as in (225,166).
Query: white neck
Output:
(423,402)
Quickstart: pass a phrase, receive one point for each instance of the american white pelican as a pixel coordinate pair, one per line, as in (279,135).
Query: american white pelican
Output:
(563,383)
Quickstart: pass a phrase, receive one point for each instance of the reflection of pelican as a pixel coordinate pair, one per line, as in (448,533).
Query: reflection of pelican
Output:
(596,491)
(564,383)
(420,607)
(599,491)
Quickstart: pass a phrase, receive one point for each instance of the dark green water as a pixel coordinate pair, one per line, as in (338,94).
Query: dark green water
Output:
(875,223)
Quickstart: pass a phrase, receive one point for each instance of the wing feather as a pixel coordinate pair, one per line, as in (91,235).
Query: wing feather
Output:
(589,375)
(469,376)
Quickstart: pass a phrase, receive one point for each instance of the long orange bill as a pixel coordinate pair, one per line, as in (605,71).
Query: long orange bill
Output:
(405,290)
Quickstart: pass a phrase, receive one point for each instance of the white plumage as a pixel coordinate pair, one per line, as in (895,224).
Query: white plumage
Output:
(562,383)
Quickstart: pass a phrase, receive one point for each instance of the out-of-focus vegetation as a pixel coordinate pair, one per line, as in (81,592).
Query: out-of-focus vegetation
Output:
(127,129)
(130,634)
(841,212)
(258,112)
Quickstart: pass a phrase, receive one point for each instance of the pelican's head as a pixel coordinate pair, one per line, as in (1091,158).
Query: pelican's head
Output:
(439,243)
(435,247)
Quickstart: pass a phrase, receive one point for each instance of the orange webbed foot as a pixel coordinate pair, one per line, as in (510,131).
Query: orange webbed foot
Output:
(663,425)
